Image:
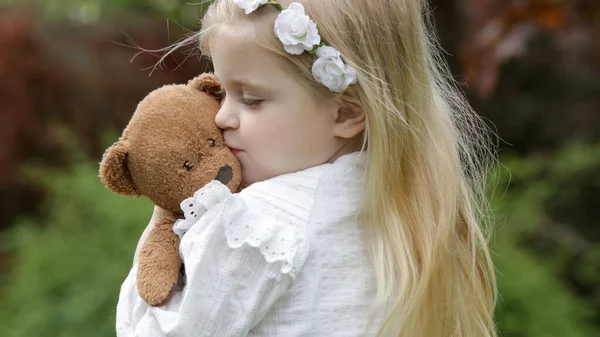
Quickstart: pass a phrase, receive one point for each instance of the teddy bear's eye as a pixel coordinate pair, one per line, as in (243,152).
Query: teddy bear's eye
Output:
(187,165)
(212,142)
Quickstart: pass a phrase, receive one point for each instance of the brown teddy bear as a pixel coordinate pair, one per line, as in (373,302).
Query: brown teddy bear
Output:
(170,149)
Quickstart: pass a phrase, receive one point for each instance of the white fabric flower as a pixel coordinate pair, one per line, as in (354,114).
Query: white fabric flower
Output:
(296,30)
(250,5)
(330,70)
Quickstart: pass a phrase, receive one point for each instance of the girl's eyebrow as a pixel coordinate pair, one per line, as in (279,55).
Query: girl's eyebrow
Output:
(252,85)
(245,83)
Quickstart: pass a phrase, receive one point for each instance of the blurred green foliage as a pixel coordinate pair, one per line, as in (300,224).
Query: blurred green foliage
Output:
(534,301)
(68,265)
(90,11)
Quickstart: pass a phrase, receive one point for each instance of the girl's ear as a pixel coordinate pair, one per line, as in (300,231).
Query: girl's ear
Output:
(208,83)
(350,120)
(114,170)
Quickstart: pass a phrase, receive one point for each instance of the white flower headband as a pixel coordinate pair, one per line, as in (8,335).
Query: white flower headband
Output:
(299,33)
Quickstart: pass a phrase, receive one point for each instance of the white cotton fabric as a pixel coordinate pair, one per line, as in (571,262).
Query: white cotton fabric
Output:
(284,257)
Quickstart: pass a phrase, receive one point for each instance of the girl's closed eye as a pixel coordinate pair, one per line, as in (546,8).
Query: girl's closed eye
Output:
(251,102)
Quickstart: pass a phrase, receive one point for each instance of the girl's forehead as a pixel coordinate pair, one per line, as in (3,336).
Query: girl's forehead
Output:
(237,56)
(244,32)
(234,36)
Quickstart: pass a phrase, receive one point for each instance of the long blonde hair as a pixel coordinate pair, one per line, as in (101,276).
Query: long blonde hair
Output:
(424,201)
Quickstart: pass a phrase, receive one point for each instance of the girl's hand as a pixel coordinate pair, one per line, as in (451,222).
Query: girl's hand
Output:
(157,214)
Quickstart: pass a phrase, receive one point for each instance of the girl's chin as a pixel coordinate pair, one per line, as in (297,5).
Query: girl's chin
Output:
(248,178)
(253,174)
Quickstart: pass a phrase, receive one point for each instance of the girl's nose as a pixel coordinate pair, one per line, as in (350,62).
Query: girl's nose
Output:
(227,118)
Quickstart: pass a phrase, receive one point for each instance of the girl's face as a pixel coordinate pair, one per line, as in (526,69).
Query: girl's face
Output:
(272,123)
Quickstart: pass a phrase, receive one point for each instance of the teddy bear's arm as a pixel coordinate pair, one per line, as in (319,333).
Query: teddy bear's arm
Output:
(157,214)
(159,263)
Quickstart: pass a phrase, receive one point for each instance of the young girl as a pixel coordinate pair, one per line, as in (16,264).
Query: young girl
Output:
(365,169)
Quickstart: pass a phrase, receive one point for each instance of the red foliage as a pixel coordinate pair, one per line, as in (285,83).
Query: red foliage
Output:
(500,30)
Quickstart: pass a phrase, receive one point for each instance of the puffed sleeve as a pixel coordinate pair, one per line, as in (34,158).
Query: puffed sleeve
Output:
(238,261)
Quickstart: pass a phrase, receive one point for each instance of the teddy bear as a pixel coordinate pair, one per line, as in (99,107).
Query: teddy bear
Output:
(170,148)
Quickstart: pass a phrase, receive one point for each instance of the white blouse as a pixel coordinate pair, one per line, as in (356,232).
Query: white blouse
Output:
(284,257)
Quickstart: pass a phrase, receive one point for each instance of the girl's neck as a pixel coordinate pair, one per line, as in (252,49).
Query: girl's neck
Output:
(351,145)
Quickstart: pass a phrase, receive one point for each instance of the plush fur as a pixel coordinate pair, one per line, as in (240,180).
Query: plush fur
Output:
(170,149)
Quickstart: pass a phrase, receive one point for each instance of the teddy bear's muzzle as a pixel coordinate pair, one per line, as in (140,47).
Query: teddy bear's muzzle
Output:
(225,174)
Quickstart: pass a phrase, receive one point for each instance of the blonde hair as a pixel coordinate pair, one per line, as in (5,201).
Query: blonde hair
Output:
(424,202)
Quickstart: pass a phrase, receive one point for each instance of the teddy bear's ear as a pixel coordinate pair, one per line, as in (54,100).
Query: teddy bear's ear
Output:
(209,84)
(114,170)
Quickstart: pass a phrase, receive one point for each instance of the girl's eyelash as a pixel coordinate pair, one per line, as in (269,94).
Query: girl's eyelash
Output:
(250,102)
(246,101)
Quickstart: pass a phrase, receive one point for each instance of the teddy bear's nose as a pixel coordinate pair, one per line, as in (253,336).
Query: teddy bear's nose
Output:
(225,174)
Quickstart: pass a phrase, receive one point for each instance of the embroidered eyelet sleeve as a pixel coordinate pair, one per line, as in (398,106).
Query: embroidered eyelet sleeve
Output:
(238,262)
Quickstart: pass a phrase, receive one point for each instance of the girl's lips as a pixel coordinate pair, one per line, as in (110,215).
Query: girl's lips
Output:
(234,150)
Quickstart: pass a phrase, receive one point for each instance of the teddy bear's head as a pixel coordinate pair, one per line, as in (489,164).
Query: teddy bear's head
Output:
(172,146)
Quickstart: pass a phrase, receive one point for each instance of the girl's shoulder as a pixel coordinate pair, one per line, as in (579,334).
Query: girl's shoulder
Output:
(271,215)
(293,195)
(287,197)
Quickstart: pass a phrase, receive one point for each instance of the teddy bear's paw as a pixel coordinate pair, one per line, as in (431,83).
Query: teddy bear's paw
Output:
(157,287)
